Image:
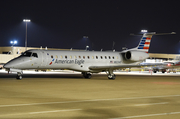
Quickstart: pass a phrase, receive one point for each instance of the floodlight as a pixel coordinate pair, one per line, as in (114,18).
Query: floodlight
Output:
(15,42)
(144,31)
(26,20)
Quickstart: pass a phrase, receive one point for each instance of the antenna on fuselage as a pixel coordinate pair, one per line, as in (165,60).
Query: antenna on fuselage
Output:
(113,45)
(87,47)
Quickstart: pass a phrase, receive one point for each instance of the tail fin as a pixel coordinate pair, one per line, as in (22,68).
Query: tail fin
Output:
(145,41)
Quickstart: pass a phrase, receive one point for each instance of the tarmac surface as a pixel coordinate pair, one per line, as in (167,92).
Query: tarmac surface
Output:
(67,95)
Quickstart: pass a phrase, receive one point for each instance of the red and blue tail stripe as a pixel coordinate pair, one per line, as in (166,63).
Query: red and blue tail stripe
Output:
(144,43)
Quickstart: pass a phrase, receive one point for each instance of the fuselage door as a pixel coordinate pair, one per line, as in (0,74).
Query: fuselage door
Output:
(44,58)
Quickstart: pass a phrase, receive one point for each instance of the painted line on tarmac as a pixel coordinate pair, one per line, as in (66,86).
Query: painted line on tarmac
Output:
(92,100)
(148,115)
(41,112)
(151,104)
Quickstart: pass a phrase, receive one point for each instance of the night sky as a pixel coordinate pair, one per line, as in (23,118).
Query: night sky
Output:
(63,23)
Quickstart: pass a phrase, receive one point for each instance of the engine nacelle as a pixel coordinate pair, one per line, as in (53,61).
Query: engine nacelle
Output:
(134,56)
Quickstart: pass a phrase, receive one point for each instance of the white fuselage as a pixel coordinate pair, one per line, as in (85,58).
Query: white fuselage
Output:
(73,60)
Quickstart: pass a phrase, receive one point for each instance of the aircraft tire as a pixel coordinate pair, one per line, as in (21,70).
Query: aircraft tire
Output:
(18,77)
(88,76)
(112,77)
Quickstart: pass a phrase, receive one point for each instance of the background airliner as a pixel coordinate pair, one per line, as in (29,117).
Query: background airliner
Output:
(86,62)
(165,66)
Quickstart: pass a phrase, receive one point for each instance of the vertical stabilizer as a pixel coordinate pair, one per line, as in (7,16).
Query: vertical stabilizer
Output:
(145,41)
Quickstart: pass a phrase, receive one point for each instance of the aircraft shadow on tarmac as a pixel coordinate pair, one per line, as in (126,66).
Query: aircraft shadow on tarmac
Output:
(72,76)
(42,75)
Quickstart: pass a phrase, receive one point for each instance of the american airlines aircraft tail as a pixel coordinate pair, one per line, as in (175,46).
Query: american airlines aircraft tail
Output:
(86,62)
(145,41)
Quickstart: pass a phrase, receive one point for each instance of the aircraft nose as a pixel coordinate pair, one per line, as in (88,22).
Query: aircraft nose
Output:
(7,66)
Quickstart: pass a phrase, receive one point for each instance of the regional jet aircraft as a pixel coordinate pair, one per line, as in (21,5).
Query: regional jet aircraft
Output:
(86,62)
(165,66)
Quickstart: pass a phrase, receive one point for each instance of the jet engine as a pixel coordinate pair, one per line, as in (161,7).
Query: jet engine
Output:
(134,56)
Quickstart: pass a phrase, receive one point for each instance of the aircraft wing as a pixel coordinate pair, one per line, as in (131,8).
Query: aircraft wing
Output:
(120,66)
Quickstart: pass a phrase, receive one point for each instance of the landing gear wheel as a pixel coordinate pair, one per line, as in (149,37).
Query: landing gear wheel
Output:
(111,77)
(19,76)
(86,75)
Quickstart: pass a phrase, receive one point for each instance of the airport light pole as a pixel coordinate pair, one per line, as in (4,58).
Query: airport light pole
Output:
(26,21)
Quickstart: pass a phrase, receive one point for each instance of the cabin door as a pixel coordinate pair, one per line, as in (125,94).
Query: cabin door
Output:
(44,58)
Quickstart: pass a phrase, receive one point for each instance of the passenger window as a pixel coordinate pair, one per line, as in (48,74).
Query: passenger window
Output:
(92,57)
(56,56)
(105,57)
(51,56)
(109,57)
(66,56)
(75,57)
(101,57)
(96,57)
(70,57)
(35,55)
(117,57)
(79,57)
(88,57)
(83,57)
(61,56)
(113,57)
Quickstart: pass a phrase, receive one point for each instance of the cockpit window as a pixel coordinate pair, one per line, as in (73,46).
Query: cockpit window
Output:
(27,54)
(35,55)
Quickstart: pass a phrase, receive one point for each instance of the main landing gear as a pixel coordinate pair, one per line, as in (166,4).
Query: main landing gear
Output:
(111,76)
(86,75)
(19,76)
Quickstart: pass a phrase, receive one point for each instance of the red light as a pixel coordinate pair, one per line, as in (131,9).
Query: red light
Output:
(169,64)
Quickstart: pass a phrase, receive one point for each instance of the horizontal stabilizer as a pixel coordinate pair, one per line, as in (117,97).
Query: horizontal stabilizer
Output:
(153,33)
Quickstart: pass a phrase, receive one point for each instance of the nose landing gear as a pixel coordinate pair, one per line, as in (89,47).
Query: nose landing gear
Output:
(19,76)
(111,75)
